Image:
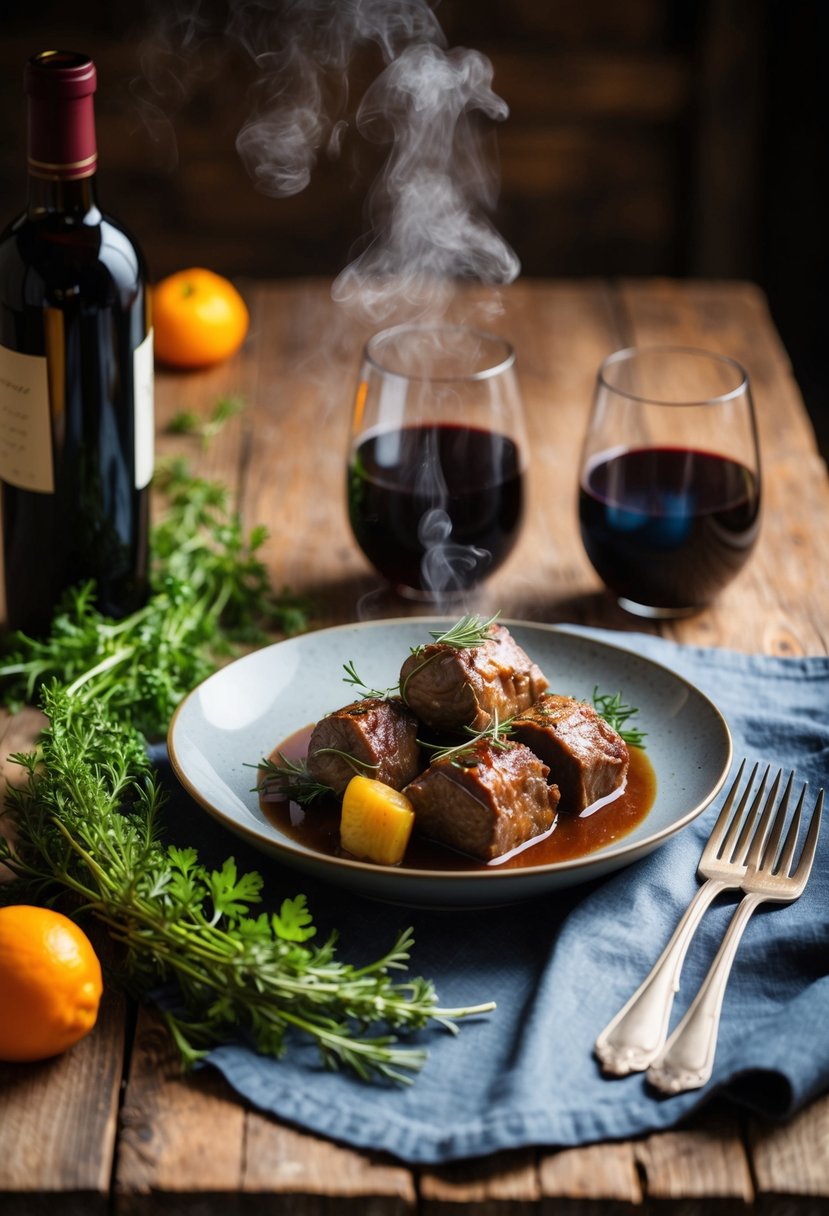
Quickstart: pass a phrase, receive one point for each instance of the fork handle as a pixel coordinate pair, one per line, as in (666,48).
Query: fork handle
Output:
(688,1059)
(636,1034)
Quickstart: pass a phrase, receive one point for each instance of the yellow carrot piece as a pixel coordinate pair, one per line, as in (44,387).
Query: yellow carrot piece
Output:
(376,821)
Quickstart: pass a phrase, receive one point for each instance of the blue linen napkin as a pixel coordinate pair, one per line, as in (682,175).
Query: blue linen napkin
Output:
(561,966)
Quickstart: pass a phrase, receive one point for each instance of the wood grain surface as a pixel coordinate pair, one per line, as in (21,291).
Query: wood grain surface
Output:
(113,1125)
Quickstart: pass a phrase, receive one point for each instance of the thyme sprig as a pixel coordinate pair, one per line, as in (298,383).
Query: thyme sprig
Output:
(87,825)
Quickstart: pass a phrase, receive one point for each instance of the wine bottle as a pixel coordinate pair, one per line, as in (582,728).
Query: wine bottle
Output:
(76,370)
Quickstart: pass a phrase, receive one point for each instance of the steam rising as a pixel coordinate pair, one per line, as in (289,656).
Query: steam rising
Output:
(433,106)
(425,209)
(302,50)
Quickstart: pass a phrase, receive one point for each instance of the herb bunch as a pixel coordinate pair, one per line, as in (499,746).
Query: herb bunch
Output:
(87,823)
(210,596)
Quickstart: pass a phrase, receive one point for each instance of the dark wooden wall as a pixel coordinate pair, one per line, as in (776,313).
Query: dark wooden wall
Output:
(678,137)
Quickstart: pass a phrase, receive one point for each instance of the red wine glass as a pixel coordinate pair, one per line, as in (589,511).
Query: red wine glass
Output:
(437,458)
(669,491)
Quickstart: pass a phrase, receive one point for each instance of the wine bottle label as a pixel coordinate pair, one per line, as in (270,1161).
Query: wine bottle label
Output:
(25,428)
(144,412)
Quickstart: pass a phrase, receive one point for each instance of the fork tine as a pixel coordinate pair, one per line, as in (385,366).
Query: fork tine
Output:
(770,860)
(783,863)
(756,850)
(804,866)
(719,829)
(738,851)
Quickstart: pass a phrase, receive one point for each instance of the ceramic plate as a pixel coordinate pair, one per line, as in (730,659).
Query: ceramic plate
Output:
(240,714)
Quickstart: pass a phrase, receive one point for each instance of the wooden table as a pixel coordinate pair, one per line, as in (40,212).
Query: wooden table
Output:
(112,1125)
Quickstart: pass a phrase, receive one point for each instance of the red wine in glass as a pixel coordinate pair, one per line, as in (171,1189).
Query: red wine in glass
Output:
(436,460)
(436,507)
(669,488)
(668,527)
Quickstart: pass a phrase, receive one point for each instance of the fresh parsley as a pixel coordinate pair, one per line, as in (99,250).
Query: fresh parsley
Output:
(188,422)
(211,595)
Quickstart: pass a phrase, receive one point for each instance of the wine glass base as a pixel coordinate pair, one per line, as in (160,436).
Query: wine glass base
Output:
(656,614)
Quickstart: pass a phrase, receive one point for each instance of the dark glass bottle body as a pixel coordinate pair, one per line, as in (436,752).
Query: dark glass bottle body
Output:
(73,292)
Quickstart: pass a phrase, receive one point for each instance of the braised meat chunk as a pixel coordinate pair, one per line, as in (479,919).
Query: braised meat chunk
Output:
(587,758)
(487,802)
(375,737)
(450,688)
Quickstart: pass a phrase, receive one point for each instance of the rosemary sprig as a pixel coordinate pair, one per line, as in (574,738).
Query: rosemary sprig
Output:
(351,677)
(87,825)
(466,633)
(290,781)
(616,713)
(359,766)
(469,631)
(497,734)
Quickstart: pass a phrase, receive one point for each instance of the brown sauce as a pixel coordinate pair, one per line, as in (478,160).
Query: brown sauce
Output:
(317,826)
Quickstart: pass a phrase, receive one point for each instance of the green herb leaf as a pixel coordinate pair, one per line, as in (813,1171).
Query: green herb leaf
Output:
(616,713)
(354,762)
(497,734)
(289,780)
(351,677)
(231,895)
(294,922)
(187,422)
(471,630)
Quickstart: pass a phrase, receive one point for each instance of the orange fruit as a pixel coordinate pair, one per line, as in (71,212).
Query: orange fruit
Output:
(199,319)
(50,983)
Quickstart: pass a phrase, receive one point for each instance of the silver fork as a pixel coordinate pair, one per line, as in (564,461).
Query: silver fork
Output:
(636,1034)
(688,1057)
